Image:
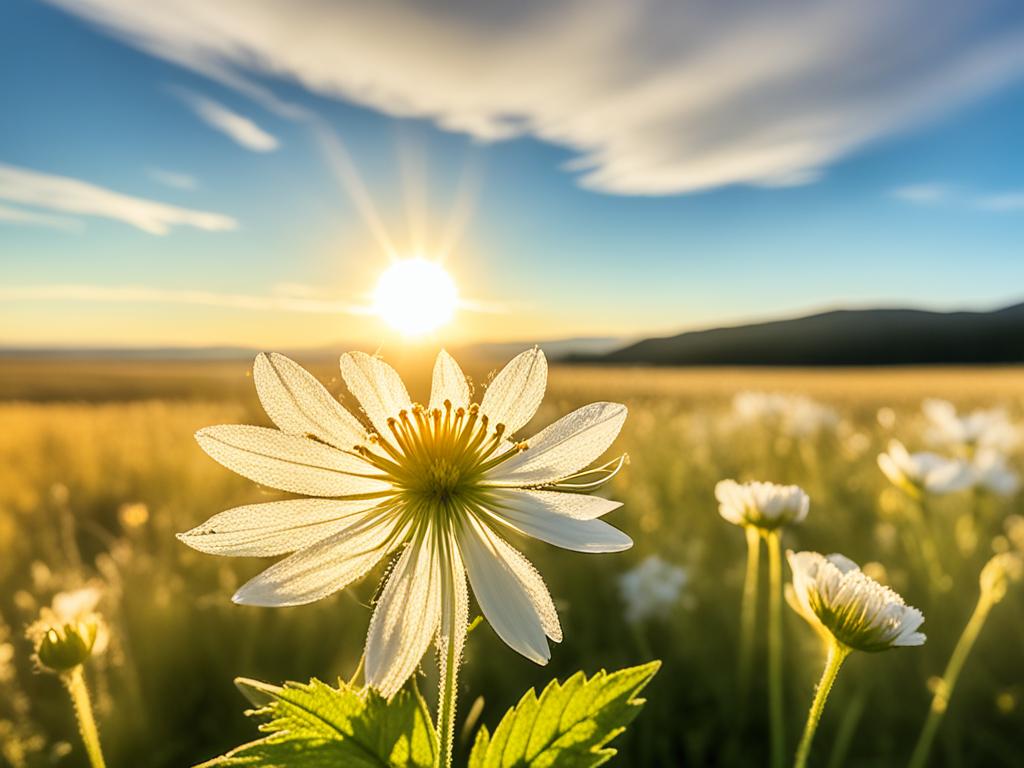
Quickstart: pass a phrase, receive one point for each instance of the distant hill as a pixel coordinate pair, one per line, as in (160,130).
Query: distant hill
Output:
(843,337)
(556,349)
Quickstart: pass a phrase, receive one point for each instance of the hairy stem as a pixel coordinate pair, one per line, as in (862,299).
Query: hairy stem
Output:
(836,656)
(446,706)
(775,702)
(74,681)
(748,612)
(944,690)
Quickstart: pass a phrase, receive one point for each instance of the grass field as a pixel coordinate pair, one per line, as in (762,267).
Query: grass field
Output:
(98,471)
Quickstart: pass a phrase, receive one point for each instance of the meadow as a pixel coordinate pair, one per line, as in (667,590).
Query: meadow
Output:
(99,470)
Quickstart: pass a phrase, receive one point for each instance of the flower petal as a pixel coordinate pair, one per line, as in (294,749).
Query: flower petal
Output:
(406,618)
(274,528)
(323,568)
(568,445)
(300,405)
(377,386)
(288,462)
(449,383)
(575,506)
(577,535)
(454,604)
(515,394)
(510,592)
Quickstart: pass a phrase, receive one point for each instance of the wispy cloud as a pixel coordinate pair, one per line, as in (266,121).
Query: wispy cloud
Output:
(1006,202)
(923,194)
(139,294)
(173,179)
(69,195)
(934,193)
(651,97)
(35,219)
(240,129)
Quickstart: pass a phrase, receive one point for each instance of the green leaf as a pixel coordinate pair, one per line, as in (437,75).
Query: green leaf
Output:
(316,726)
(570,724)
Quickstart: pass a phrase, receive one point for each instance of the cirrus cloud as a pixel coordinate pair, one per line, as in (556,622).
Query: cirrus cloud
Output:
(68,195)
(651,97)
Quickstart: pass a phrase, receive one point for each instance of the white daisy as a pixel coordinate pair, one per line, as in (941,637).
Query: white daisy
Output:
(650,589)
(991,472)
(982,428)
(923,472)
(442,483)
(765,506)
(836,597)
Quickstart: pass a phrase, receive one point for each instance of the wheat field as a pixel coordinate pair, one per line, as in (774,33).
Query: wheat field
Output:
(99,470)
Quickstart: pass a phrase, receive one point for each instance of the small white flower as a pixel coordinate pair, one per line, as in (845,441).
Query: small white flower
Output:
(766,506)
(794,415)
(836,597)
(651,589)
(990,471)
(441,483)
(923,472)
(982,428)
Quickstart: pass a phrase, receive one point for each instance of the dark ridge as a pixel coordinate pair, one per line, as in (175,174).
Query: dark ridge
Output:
(842,337)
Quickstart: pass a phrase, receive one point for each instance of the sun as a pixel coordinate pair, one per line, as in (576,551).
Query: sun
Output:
(415,296)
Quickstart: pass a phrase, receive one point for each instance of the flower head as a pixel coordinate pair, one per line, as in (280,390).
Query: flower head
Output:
(837,598)
(441,483)
(920,473)
(765,506)
(982,428)
(990,472)
(650,589)
(69,631)
(795,415)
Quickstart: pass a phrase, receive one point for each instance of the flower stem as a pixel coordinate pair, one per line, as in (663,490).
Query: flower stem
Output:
(748,611)
(446,705)
(944,690)
(775,702)
(74,681)
(836,656)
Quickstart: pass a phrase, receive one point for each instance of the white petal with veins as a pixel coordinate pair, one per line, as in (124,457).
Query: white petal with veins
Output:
(515,394)
(288,462)
(577,535)
(406,618)
(377,386)
(300,405)
(508,603)
(274,528)
(449,383)
(570,444)
(323,568)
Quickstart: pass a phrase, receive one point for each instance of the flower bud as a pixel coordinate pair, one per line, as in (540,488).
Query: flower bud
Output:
(998,573)
(65,647)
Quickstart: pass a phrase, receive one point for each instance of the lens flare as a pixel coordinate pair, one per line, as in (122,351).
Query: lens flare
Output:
(415,296)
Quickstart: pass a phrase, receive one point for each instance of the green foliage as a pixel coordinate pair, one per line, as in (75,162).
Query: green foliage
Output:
(568,726)
(317,726)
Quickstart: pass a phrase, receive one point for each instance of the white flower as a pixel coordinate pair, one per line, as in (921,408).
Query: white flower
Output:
(983,428)
(441,483)
(650,589)
(795,415)
(990,472)
(766,506)
(836,597)
(923,472)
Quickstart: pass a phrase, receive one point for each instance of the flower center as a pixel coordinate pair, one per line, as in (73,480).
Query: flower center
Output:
(439,456)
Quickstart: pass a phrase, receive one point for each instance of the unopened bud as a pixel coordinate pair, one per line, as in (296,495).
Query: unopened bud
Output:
(999,573)
(63,648)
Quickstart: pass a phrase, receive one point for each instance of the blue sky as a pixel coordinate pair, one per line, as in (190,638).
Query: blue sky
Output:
(165,176)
